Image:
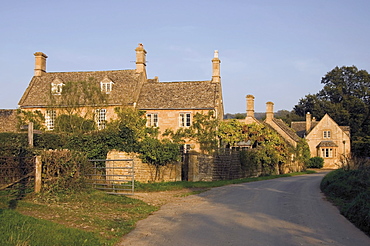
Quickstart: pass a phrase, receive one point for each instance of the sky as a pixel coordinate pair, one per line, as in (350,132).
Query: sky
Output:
(276,50)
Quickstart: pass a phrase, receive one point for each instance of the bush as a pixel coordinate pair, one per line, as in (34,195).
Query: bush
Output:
(358,211)
(349,191)
(64,170)
(316,162)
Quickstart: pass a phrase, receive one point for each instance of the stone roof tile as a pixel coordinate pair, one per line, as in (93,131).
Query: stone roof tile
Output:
(126,85)
(179,95)
(289,131)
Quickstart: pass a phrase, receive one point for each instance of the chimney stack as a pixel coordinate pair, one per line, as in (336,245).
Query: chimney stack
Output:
(40,63)
(216,68)
(308,122)
(269,111)
(250,105)
(140,59)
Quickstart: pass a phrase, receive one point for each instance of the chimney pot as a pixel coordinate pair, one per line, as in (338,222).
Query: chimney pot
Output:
(308,122)
(269,111)
(40,63)
(250,105)
(140,58)
(216,77)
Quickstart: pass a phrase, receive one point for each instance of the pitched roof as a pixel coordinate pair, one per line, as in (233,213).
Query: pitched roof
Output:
(179,95)
(289,131)
(126,86)
(300,127)
(327,144)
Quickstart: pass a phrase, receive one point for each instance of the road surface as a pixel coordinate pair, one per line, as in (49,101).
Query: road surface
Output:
(284,211)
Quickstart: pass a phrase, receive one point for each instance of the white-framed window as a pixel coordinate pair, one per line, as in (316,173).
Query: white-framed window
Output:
(106,85)
(100,118)
(152,120)
(185,148)
(327,152)
(184,119)
(56,88)
(327,134)
(50,119)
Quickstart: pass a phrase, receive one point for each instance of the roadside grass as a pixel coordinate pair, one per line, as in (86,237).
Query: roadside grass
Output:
(178,185)
(349,190)
(89,217)
(18,229)
(85,218)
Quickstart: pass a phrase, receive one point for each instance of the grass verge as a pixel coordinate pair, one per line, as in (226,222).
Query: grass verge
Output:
(84,218)
(166,186)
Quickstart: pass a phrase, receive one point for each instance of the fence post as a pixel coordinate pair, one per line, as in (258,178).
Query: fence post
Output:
(38,171)
(30,134)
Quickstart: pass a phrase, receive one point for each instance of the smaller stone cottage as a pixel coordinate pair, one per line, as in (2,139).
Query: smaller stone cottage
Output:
(325,138)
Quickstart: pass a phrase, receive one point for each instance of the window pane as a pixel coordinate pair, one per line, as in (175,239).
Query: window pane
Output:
(187,119)
(100,118)
(50,119)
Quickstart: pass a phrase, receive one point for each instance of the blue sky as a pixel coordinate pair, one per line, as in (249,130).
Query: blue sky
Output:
(276,50)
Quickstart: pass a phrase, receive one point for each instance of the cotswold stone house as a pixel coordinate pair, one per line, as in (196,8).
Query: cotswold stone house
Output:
(167,104)
(325,138)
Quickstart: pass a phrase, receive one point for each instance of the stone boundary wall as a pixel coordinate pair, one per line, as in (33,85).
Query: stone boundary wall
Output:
(145,172)
(225,165)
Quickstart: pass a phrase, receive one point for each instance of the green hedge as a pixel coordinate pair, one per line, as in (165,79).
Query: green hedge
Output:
(315,162)
(350,192)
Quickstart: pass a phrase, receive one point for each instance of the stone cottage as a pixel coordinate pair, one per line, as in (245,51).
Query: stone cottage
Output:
(325,137)
(167,104)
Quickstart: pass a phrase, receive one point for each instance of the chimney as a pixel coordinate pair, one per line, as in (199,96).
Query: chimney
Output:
(308,122)
(250,106)
(140,59)
(40,63)
(216,68)
(269,111)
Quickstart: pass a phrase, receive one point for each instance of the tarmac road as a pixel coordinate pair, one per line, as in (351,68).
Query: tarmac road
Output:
(283,211)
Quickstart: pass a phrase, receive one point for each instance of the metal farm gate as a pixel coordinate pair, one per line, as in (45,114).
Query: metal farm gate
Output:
(113,176)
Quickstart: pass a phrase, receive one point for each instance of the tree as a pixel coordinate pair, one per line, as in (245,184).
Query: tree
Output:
(345,97)
(288,116)
(36,117)
(272,151)
(204,131)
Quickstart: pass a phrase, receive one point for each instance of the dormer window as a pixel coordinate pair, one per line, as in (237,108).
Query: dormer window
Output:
(106,85)
(57,87)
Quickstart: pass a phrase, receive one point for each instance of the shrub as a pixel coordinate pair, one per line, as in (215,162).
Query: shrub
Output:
(358,211)
(64,170)
(316,162)
(349,190)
